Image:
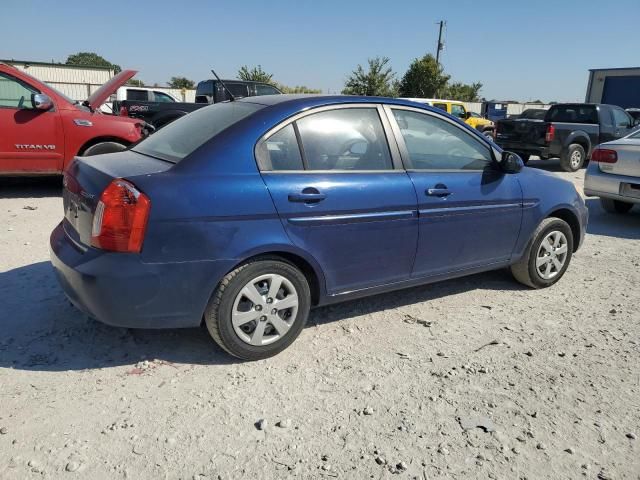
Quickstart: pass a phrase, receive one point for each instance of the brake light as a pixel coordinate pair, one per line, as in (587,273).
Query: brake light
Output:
(120,219)
(551,133)
(603,155)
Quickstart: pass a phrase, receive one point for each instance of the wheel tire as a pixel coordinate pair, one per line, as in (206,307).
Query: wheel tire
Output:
(103,147)
(218,314)
(573,158)
(525,270)
(615,206)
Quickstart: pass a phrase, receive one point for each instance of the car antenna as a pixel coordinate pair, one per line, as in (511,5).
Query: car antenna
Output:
(225,87)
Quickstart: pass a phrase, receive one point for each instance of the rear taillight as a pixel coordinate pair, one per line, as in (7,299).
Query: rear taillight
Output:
(603,155)
(120,219)
(551,133)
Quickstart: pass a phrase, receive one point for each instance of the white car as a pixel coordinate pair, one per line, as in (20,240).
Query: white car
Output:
(613,174)
(139,94)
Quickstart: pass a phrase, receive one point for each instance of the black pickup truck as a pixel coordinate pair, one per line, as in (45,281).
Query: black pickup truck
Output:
(160,114)
(569,131)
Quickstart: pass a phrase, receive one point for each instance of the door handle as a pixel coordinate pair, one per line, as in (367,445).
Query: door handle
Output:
(308,195)
(439,190)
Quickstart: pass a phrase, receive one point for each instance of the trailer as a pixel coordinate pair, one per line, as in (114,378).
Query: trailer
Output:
(615,86)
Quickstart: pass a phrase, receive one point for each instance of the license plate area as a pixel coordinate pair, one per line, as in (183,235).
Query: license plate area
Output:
(630,190)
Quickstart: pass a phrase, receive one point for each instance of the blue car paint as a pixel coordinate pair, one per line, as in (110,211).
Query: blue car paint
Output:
(374,232)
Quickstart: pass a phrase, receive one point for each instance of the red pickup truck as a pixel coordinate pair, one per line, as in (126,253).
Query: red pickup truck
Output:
(41,130)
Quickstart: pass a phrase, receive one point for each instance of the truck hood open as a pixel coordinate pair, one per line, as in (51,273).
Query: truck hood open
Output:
(97,98)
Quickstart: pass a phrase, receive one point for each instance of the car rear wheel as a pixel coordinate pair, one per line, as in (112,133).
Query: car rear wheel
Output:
(547,256)
(103,147)
(615,206)
(259,309)
(573,158)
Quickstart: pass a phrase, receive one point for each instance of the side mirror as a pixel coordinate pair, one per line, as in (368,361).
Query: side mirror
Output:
(40,101)
(511,162)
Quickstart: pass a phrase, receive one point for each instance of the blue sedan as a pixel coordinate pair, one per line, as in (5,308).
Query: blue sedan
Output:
(244,215)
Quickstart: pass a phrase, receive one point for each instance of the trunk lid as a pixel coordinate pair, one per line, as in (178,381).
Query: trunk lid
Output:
(628,150)
(97,98)
(86,178)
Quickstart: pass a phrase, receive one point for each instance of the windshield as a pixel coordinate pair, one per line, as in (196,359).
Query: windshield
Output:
(180,138)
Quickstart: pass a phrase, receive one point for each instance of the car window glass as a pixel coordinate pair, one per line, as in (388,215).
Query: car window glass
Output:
(435,144)
(458,111)
(282,151)
(238,90)
(344,139)
(620,118)
(137,95)
(14,93)
(163,97)
(262,89)
(572,114)
(180,138)
(606,116)
(441,106)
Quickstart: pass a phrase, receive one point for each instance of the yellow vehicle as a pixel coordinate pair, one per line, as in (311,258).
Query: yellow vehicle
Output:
(457,109)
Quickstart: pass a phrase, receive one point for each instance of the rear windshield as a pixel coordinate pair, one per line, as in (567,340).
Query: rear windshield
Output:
(572,114)
(533,114)
(180,138)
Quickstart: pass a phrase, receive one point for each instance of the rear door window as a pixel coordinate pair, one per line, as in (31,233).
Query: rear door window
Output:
(262,89)
(441,106)
(344,139)
(281,151)
(163,97)
(137,95)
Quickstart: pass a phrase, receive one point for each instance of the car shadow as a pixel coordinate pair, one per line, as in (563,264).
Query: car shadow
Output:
(42,331)
(613,225)
(550,165)
(31,187)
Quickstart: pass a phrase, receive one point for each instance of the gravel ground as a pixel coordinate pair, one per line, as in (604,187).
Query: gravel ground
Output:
(472,378)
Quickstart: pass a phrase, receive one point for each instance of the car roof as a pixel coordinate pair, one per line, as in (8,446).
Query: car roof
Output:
(312,100)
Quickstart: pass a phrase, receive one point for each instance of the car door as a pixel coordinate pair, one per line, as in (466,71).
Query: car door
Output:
(622,122)
(342,194)
(31,140)
(469,211)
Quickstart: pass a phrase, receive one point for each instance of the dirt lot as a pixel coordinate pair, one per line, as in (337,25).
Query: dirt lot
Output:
(375,388)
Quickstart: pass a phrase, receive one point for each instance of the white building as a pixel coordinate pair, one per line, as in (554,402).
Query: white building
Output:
(78,82)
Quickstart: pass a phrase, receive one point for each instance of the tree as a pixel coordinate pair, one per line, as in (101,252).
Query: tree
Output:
(181,82)
(297,89)
(378,81)
(425,78)
(256,74)
(91,59)
(134,82)
(462,92)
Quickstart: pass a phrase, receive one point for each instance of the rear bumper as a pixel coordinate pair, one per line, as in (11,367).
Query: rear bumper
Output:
(121,290)
(607,185)
(538,150)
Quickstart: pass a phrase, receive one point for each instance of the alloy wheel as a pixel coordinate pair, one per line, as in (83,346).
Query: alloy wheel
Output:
(552,255)
(264,310)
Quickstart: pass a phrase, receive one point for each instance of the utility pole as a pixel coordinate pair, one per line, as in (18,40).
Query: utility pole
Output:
(442,23)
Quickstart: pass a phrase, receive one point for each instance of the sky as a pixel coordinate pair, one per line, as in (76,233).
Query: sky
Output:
(520,50)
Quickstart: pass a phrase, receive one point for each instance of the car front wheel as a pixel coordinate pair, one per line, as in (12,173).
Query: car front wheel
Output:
(547,256)
(259,308)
